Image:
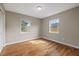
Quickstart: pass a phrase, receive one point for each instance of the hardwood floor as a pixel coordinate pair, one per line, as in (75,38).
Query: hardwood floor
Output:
(39,47)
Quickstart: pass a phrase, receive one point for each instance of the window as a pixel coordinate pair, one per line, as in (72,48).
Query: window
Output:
(54,26)
(25,26)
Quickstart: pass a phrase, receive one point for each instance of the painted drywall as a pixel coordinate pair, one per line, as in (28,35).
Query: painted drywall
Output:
(13,34)
(69,27)
(2,27)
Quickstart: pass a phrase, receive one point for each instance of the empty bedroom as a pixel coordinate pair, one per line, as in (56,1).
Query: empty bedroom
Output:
(39,29)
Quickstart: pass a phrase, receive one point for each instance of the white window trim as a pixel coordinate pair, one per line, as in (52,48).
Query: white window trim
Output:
(49,26)
(20,27)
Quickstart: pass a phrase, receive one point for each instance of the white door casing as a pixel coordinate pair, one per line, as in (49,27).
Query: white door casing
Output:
(1,30)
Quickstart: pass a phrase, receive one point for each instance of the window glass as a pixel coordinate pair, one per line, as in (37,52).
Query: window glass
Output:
(54,26)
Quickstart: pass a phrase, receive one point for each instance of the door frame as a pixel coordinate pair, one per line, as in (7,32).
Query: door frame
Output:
(2,11)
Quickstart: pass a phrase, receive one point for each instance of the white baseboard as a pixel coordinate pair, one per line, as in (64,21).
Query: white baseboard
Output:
(19,41)
(67,44)
(47,39)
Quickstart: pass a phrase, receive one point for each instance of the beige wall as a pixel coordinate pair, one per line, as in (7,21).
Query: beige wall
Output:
(69,27)
(13,33)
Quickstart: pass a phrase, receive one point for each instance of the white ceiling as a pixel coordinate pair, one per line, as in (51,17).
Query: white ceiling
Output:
(48,9)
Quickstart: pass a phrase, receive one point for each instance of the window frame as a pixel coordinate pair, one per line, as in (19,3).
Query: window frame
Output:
(50,25)
(21,25)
